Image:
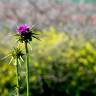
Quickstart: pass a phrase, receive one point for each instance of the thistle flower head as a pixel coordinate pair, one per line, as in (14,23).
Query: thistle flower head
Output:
(23,28)
(25,34)
(16,53)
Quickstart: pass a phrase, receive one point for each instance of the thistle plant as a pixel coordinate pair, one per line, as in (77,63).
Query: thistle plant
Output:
(16,55)
(25,35)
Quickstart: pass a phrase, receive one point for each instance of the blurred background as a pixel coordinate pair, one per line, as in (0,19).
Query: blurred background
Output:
(63,62)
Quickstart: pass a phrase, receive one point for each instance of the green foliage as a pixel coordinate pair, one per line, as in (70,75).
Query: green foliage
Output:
(63,63)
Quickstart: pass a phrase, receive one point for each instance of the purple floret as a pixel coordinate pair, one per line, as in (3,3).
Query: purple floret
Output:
(23,28)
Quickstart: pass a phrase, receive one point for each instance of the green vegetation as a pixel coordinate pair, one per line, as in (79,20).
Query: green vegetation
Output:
(61,64)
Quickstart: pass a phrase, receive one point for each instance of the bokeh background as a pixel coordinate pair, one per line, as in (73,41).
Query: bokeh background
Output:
(63,62)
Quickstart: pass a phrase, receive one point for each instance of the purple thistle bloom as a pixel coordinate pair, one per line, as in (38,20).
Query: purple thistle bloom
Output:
(23,28)
(25,34)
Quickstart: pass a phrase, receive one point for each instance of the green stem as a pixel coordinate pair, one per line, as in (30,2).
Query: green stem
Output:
(27,68)
(17,75)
